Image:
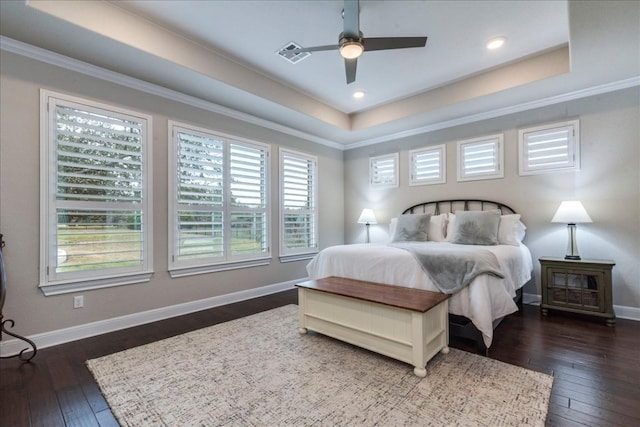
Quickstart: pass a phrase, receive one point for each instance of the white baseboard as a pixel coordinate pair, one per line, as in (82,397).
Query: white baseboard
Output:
(622,311)
(61,336)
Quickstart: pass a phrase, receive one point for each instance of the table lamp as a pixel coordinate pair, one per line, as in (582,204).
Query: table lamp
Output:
(367,217)
(571,213)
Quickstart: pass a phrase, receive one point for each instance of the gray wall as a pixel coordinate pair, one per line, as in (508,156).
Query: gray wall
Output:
(20,82)
(608,185)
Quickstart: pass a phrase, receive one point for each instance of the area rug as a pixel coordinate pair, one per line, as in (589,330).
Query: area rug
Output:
(259,371)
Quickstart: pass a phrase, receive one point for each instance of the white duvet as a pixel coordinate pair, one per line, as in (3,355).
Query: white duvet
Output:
(486,299)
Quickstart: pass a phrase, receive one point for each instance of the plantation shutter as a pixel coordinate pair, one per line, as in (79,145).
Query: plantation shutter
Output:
(428,166)
(98,190)
(548,148)
(299,204)
(383,171)
(220,190)
(96,220)
(200,195)
(480,158)
(248,203)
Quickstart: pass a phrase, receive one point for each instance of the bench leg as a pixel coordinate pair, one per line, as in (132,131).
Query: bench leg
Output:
(420,372)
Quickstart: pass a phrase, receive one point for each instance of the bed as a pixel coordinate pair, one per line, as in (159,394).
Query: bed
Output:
(474,309)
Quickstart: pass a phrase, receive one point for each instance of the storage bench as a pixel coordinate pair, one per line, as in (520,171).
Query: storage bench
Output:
(410,325)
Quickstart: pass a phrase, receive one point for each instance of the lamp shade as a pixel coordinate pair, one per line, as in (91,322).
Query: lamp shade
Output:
(571,212)
(367,217)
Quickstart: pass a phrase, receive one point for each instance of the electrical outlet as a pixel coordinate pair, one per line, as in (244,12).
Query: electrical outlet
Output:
(78,301)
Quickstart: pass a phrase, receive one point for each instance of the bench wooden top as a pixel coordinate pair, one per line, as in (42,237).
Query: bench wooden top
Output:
(396,296)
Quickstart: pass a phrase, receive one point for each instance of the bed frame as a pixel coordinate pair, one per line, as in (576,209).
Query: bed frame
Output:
(460,326)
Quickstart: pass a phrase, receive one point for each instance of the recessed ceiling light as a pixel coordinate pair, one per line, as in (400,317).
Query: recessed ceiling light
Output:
(358,94)
(496,43)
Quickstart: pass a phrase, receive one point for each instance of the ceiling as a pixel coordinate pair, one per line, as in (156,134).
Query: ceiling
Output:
(225,52)
(250,32)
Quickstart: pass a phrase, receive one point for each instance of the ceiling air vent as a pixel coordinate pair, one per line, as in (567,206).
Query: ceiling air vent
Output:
(294,58)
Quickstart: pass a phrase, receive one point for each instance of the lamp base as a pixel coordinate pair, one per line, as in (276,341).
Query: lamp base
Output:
(572,245)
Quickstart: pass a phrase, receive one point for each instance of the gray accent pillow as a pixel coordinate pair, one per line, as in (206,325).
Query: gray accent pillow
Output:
(476,228)
(411,228)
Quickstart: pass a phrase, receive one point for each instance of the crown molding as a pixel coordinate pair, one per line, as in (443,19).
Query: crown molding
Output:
(33,52)
(62,61)
(569,96)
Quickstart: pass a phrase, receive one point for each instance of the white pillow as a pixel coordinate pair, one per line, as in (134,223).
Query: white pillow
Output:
(451,219)
(392,228)
(437,228)
(511,230)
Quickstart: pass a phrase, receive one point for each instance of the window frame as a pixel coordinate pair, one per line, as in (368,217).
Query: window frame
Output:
(442,159)
(573,147)
(307,252)
(50,281)
(228,261)
(395,159)
(498,171)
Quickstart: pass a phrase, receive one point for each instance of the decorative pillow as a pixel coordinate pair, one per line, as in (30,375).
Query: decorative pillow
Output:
(411,228)
(437,228)
(511,230)
(476,228)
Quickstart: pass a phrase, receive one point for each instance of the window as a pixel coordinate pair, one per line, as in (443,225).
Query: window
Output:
(298,205)
(552,147)
(428,165)
(481,158)
(95,191)
(219,213)
(383,171)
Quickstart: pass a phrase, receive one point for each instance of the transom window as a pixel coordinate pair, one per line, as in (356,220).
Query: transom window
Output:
(428,165)
(551,147)
(383,171)
(481,158)
(96,217)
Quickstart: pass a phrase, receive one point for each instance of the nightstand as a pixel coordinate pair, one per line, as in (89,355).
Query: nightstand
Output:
(577,286)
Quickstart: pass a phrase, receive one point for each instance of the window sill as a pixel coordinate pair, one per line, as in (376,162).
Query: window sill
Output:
(87,285)
(298,257)
(203,269)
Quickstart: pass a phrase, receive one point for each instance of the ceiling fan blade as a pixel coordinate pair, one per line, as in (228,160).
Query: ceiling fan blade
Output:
(384,43)
(315,48)
(351,18)
(350,66)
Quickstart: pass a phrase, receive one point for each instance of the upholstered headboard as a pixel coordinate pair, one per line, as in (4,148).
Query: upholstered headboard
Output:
(443,206)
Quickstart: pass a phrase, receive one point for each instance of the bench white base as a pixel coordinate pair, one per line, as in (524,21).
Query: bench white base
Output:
(409,336)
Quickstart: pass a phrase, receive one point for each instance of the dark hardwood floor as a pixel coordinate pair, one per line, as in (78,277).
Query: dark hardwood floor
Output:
(596,368)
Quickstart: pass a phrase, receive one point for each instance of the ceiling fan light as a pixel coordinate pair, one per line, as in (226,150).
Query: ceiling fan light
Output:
(351,50)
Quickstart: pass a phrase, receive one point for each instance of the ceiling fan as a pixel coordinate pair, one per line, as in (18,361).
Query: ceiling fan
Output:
(352,44)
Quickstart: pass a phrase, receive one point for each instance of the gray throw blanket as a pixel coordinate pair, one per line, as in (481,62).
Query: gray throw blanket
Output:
(452,267)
